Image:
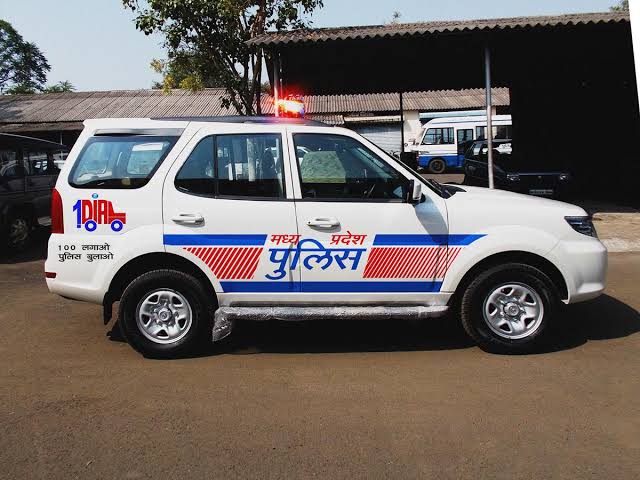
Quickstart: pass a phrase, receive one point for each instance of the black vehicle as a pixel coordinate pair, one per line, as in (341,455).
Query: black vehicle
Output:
(29,168)
(511,172)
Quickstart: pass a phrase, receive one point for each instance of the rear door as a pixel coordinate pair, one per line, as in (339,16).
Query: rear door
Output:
(41,175)
(226,201)
(360,239)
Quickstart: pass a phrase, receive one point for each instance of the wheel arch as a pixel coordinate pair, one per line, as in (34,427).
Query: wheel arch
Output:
(145,263)
(544,265)
(10,209)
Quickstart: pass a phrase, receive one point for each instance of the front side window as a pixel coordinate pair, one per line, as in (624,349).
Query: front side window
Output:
(338,167)
(119,161)
(439,136)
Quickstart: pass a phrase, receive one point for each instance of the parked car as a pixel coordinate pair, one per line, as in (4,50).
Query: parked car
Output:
(29,168)
(512,173)
(215,222)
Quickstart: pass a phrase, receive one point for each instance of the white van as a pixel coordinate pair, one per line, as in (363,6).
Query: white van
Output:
(192,225)
(439,143)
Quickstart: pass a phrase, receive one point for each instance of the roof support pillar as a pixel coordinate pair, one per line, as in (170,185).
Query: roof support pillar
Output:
(401,124)
(276,82)
(489,134)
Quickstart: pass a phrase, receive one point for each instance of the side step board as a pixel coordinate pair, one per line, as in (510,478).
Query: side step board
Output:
(225,317)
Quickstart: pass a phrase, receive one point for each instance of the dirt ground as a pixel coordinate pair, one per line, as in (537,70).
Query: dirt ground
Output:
(328,400)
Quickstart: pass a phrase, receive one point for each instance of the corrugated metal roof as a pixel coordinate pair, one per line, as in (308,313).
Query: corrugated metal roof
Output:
(327,118)
(40,127)
(75,107)
(423,28)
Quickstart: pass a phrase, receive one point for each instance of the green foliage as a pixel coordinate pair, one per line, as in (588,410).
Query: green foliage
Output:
(205,42)
(60,87)
(23,67)
(623,6)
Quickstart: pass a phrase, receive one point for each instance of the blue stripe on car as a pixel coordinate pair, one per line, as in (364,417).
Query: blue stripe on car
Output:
(333,287)
(426,240)
(213,240)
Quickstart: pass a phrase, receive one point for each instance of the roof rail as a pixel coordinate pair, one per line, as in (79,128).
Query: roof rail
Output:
(246,119)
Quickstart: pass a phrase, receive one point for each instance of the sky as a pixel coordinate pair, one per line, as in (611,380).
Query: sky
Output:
(95,45)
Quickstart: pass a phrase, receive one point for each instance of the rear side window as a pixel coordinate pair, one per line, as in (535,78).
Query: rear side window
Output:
(250,166)
(120,161)
(237,166)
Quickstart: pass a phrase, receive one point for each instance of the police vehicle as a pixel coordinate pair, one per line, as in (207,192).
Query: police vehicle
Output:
(194,224)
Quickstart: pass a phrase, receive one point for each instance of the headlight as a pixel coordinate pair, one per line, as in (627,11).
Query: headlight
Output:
(582,225)
(564,177)
(513,177)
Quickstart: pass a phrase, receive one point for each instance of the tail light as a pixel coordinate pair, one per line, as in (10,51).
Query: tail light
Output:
(57,215)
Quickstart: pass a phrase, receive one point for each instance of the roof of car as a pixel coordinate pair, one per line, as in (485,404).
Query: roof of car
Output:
(247,119)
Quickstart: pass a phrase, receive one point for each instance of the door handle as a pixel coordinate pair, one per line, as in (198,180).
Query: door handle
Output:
(323,222)
(188,219)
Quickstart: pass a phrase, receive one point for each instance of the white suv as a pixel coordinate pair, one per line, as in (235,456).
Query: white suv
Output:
(193,224)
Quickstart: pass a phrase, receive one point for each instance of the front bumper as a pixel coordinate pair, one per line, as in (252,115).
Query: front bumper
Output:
(583,262)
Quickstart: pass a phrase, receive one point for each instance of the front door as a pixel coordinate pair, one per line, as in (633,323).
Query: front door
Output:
(361,241)
(225,203)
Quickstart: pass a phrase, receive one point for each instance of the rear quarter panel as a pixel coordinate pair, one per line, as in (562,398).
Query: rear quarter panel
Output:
(86,261)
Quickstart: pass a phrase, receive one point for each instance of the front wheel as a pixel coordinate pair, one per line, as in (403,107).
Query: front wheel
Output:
(509,308)
(165,313)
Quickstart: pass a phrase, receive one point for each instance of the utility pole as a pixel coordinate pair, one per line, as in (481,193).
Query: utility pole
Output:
(487,78)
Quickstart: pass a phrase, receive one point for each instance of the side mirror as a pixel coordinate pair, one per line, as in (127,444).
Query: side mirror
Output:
(415,192)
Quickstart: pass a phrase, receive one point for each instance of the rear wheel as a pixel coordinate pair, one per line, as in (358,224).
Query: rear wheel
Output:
(18,231)
(166,313)
(437,165)
(510,308)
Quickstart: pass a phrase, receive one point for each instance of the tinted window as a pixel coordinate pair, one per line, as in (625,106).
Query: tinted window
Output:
(119,162)
(250,165)
(439,136)
(41,163)
(10,166)
(501,132)
(338,167)
(197,175)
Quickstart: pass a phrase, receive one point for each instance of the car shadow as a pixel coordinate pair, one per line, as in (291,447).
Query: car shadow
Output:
(605,318)
(34,251)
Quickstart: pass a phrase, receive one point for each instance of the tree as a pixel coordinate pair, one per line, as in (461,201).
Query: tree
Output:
(206,41)
(622,6)
(23,67)
(60,87)
(395,17)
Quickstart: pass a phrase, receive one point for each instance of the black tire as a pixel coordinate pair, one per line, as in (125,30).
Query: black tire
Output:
(199,302)
(437,165)
(18,232)
(472,307)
